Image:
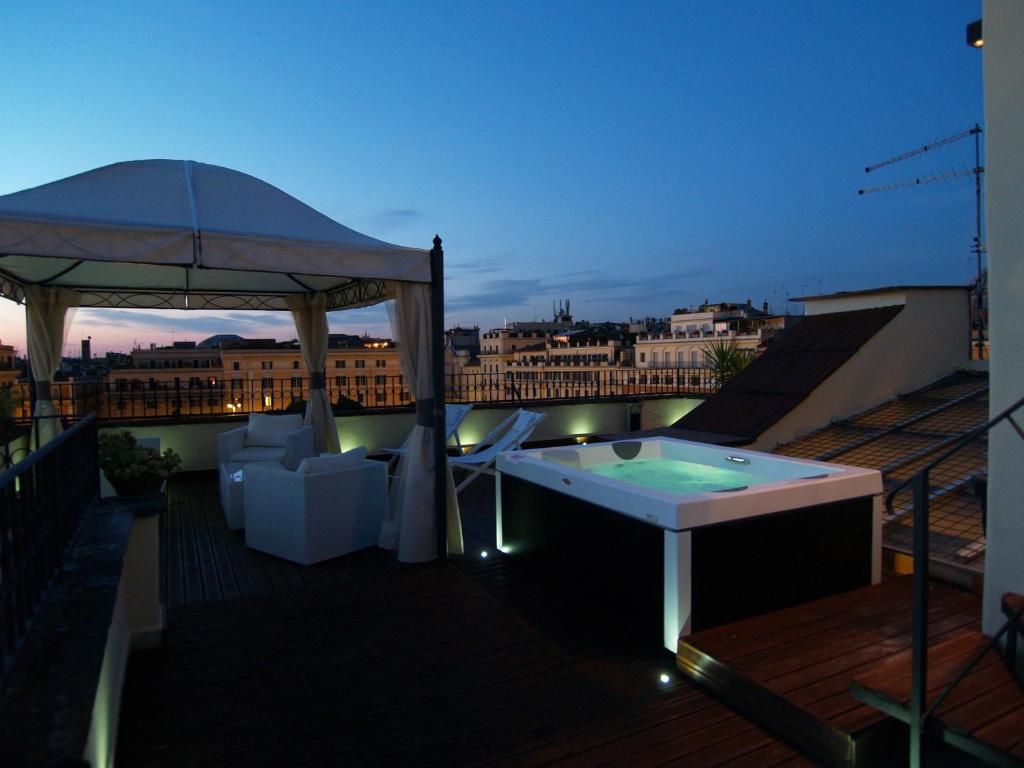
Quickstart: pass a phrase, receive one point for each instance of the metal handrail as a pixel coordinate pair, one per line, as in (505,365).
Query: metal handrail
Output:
(966,438)
(44,450)
(919,709)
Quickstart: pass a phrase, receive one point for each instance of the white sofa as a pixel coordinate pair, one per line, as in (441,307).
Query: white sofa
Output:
(267,438)
(331,505)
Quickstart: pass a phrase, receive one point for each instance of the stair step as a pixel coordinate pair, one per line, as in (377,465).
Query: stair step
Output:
(983,715)
(1012,602)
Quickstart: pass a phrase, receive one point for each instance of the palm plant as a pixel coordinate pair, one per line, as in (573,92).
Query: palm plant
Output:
(725,360)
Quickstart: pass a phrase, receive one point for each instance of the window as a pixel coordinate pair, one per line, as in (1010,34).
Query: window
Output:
(296,381)
(195,381)
(295,365)
(236,384)
(360,381)
(380,379)
(643,357)
(380,396)
(267,365)
(695,359)
(360,363)
(235,366)
(654,358)
(381,363)
(267,382)
(341,381)
(339,363)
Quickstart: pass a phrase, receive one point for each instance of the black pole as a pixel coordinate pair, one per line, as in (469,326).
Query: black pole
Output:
(919,639)
(437,363)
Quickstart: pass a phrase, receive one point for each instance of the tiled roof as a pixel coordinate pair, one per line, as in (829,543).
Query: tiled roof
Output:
(899,438)
(788,371)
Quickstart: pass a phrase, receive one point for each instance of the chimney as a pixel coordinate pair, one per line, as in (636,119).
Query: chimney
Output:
(749,303)
(764,307)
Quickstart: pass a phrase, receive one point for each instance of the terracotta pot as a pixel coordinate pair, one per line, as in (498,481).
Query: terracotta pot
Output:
(136,487)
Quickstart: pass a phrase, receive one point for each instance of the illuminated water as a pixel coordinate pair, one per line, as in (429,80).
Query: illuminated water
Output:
(679,477)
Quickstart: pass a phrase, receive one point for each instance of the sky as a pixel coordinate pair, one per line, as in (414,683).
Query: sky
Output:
(631,157)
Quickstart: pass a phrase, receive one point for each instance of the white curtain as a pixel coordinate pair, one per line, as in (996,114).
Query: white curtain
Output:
(309,311)
(410,527)
(46,313)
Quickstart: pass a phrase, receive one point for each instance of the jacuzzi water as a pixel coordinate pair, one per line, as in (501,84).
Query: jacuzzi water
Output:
(674,476)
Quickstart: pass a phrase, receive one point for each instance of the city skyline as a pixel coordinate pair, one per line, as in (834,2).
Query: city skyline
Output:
(634,158)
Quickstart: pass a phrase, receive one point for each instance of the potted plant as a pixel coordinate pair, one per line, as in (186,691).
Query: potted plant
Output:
(9,404)
(134,470)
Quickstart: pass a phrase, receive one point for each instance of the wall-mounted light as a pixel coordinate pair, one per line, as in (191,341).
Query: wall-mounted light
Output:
(974,36)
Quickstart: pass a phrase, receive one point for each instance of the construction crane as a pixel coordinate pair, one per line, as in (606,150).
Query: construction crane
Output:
(978,247)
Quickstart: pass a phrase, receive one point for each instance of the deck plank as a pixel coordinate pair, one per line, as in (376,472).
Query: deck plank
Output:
(364,661)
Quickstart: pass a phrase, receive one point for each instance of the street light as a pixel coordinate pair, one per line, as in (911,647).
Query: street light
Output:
(974,36)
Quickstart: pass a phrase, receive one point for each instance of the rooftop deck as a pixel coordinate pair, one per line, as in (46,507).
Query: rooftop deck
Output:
(363,661)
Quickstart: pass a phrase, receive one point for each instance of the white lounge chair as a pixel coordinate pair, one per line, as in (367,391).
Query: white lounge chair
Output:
(507,436)
(454,414)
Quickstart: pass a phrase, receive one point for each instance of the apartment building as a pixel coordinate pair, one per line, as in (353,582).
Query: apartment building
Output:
(692,330)
(253,375)
(8,373)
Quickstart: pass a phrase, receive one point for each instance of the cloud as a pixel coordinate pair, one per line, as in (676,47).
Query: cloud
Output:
(496,293)
(389,219)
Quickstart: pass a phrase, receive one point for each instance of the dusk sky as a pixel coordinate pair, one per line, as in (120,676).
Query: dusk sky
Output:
(632,157)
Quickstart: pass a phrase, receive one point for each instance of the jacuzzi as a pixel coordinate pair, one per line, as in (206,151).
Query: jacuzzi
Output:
(711,534)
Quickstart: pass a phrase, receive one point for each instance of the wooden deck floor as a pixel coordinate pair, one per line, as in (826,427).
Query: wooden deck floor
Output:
(800,662)
(362,661)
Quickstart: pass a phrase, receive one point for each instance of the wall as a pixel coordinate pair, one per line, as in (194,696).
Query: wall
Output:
(196,442)
(852,303)
(925,342)
(1004,195)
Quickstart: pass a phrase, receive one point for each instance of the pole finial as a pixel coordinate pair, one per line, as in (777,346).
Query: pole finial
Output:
(437,241)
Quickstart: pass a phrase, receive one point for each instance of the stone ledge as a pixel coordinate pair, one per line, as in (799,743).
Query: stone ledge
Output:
(47,703)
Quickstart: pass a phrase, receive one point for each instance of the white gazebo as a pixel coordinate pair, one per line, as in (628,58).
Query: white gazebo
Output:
(174,234)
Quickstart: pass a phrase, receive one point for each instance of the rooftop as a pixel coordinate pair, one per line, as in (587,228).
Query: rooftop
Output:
(786,373)
(885,289)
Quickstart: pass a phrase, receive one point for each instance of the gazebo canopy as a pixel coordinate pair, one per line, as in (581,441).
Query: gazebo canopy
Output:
(177,234)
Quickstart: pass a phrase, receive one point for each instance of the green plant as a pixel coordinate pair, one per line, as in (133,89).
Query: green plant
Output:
(346,404)
(725,360)
(9,402)
(133,469)
(9,405)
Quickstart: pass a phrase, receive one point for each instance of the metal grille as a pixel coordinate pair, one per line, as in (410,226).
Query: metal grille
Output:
(902,436)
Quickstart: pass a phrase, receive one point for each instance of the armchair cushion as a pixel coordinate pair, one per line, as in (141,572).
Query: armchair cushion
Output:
(331,462)
(258,453)
(264,430)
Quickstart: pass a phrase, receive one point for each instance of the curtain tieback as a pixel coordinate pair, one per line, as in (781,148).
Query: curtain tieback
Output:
(317,380)
(43,390)
(425,412)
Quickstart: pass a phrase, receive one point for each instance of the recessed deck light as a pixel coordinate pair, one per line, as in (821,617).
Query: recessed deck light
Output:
(664,679)
(483,554)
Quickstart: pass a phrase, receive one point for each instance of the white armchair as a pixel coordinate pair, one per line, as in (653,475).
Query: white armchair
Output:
(267,438)
(332,505)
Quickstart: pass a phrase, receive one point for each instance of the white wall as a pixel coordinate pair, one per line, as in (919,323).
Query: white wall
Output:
(927,340)
(196,442)
(1004,206)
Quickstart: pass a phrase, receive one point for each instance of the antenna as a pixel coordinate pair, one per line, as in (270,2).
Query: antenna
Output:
(978,246)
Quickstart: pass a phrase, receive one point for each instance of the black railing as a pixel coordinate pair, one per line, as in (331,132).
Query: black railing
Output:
(920,711)
(135,397)
(42,501)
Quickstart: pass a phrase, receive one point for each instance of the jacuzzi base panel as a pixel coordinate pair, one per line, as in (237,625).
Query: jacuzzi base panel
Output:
(672,582)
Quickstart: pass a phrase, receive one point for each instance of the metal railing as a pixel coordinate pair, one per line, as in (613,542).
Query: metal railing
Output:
(138,397)
(42,501)
(920,711)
